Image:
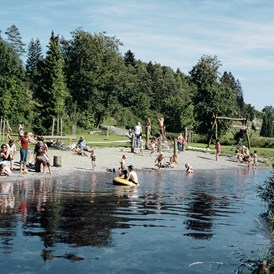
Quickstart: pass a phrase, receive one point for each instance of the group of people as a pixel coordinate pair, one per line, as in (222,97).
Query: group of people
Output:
(244,156)
(81,148)
(138,131)
(8,152)
(127,173)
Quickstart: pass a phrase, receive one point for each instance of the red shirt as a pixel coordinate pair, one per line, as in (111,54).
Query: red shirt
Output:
(24,142)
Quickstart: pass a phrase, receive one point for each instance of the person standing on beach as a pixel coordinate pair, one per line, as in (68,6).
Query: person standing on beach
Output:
(138,134)
(8,131)
(12,149)
(24,146)
(217,148)
(180,142)
(41,155)
(153,145)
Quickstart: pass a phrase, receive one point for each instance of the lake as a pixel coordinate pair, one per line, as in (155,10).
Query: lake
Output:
(206,222)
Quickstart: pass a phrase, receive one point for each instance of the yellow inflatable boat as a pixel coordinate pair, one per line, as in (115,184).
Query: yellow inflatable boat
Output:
(123,182)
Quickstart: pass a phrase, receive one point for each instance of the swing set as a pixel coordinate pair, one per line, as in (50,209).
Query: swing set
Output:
(215,125)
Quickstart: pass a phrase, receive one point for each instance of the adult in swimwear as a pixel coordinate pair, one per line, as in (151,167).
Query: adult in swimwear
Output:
(132,175)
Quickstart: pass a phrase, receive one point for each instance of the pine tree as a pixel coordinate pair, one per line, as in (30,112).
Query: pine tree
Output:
(14,39)
(53,92)
(15,99)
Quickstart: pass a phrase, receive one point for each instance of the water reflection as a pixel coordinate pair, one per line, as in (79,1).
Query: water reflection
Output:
(6,197)
(200,210)
(72,218)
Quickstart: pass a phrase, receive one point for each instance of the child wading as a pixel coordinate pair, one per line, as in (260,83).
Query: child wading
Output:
(93,159)
(218,148)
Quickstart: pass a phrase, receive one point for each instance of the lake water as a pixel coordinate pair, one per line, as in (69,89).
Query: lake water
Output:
(206,222)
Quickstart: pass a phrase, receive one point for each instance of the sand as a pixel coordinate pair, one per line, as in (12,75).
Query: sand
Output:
(108,159)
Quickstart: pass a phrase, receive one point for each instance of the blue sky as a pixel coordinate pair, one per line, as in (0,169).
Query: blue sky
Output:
(175,33)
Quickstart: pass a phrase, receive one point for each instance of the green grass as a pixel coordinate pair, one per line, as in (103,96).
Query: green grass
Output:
(265,155)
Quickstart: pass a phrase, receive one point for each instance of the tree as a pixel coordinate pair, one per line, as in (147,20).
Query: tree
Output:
(205,76)
(93,65)
(15,99)
(214,95)
(15,40)
(53,92)
(33,64)
(34,56)
(129,58)
(267,129)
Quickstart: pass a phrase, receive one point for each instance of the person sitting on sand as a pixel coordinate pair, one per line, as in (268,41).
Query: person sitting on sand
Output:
(160,160)
(132,175)
(236,156)
(245,154)
(81,146)
(189,168)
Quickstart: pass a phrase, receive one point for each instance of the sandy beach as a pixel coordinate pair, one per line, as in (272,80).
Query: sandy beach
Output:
(108,159)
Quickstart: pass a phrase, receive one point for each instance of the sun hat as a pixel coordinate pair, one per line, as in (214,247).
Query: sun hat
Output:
(130,167)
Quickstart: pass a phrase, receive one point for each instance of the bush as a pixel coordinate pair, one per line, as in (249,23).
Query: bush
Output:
(266,191)
(262,142)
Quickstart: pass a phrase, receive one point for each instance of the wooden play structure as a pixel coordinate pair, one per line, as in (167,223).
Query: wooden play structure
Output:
(57,131)
(5,130)
(215,126)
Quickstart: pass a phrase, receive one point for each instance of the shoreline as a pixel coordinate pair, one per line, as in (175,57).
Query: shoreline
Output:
(108,159)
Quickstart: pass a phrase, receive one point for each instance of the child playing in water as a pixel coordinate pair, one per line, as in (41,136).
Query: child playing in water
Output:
(122,165)
(93,159)
(255,159)
(4,170)
(189,168)
(124,174)
(218,148)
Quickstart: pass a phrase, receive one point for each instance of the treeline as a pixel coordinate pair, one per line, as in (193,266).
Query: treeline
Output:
(86,81)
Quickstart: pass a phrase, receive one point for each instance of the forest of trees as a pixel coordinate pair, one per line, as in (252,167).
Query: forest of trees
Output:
(87,81)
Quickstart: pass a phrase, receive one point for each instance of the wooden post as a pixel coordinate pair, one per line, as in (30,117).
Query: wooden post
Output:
(4,129)
(57,161)
(175,147)
(216,131)
(73,130)
(53,124)
(147,137)
(1,127)
(132,143)
(160,143)
(58,126)
(214,123)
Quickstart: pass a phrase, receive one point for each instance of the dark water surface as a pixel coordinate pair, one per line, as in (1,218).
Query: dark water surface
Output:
(206,222)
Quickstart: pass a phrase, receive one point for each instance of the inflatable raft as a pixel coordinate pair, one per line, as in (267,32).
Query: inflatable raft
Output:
(123,182)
